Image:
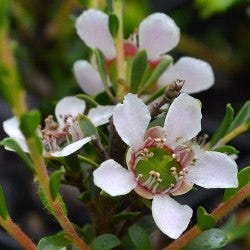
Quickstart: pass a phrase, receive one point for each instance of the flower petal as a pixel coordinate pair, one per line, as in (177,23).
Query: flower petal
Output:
(170,216)
(131,120)
(214,170)
(88,78)
(158,34)
(198,75)
(11,128)
(92,27)
(69,105)
(114,179)
(71,148)
(100,115)
(183,120)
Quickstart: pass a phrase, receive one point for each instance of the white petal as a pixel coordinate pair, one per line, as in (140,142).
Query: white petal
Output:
(92,27)
(198,75)
(214,170)
(88,78)
(11,128)
(158,34)
(71,148)
(114,179)
(100,115)
(131,120)
(69,105)
(170,216)
(183,120)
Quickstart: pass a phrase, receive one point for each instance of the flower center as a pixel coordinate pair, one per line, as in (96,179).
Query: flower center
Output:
(55,137)
(157,170)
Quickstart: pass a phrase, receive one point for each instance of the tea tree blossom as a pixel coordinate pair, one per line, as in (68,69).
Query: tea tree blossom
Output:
(164,161)
(65,136)
(157,34)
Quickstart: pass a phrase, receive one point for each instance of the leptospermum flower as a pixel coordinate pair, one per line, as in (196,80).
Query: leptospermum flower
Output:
(157,34)
(65,136)
(164,161)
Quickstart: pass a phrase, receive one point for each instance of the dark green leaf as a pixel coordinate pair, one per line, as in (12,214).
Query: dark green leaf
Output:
(243,178)
(88,233)
(239,231)
(159,121)
(210,239)
(242,117)
(160,68)
(54,183)
(54,242)
(105,242)
(139,65)
(140,238)
(125,216)
(30,122)
(222,129)
(227,149)
(100,59)
(88,99)
(113,24)
(3,208)
(87,127)
(205,221)
(13,145)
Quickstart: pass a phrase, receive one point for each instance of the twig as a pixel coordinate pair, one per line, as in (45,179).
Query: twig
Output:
(98,145)
(170,94)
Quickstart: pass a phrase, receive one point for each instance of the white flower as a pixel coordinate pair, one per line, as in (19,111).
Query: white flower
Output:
(65,137)
(157,34)
(163,162)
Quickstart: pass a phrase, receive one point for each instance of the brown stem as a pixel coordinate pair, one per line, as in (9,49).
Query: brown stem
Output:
(17,234)
(98,145)
(171,93)
(222,210)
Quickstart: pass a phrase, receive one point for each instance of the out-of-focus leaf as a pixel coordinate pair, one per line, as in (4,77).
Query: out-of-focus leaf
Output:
(53,242)
(3,208)
(30,122)
(124,216)
(243,117)
(205,221)
(87,127)
(105,242)
(54,183)
(138,68)
(88,233)
(140,238)
(88,99)
(230,150)
(223,128)
(113,24)
(239,231)
(4,12)
(243,178)
(210,239)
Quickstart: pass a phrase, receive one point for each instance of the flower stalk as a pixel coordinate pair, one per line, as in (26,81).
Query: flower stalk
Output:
(121,70)
(17,233)
(222,210)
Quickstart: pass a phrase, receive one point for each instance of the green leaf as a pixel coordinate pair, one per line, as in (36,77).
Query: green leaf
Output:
(3,208)
(160,68)
(100,59)
(230,150)
(30,122)
(13,145)
(205,221)
(140,238)
(54,183)
(4,12)
(243,117)
(138,68)
(160,91)
(159,121)
(238,231)
(210,239)
(54,242)
(88,99)
(125,216)
(113,24)
(87,127)
(222,129)
(88,233)
(105,242)
(243,178)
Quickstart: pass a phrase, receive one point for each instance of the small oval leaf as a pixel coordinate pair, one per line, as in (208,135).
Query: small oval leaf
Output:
(105,242)
(140,238)
(205,221)
(113,24)
(54,183)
